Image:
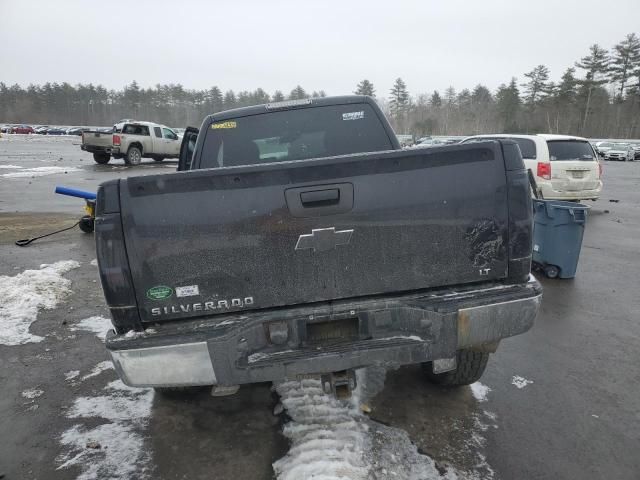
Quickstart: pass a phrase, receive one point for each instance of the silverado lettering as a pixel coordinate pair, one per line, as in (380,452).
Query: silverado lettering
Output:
(202,306)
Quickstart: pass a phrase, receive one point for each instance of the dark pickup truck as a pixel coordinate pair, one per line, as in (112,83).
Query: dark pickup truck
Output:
(303,240)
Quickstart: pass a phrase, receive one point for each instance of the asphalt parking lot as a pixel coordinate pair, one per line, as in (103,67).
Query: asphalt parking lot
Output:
(560,402)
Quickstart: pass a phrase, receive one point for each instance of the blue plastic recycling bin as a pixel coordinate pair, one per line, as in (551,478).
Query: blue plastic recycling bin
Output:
(557,236)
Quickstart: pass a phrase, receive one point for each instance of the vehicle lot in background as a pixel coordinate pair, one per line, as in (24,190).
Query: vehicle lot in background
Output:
(623,152)
(565,167)
(576,420)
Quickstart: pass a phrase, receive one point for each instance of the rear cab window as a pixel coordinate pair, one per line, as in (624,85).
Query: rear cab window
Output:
(560,150)
(136,130)
(294,134)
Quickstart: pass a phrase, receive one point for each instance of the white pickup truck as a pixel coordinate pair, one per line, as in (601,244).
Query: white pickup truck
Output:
(132,141)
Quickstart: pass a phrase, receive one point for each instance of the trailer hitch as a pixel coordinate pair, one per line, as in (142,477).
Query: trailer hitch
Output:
(340,384)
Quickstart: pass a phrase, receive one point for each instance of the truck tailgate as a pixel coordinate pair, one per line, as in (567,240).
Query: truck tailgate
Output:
(254,237)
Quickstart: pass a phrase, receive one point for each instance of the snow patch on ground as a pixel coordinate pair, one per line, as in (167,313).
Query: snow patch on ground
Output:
(520,382)
(121,452)
(96,324)
(11,167)
(94,262)
(480,391)
(332,439)
(98,369)
(32,393)
(25,293)
(40,172)
(70,375)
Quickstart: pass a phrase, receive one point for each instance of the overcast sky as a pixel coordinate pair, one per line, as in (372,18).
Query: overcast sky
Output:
(329,45)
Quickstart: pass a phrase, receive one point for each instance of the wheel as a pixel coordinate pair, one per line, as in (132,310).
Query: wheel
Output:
(134,156)
(101,158)
(551,271)
(86,224)
(158,159)
(470,367)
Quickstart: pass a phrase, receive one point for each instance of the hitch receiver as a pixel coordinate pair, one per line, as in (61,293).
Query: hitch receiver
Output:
(340,384)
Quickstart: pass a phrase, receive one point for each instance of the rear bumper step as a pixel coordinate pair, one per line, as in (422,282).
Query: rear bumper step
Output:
(284,343)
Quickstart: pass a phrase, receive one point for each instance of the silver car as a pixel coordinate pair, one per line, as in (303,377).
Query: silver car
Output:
(620,151)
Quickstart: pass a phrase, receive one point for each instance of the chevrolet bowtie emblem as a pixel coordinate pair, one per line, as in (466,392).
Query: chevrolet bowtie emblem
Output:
(323,239)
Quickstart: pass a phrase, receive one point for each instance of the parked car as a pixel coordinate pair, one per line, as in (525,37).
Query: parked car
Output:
(23,129)
(303,240)
(636,151)
(429,142)
(620,151)
(42,129)
(405,140)
(133,142)
(76,130)
(565,167)
(602,147)
(56,131)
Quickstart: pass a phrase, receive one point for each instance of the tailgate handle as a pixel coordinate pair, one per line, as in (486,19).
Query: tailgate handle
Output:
(320,198)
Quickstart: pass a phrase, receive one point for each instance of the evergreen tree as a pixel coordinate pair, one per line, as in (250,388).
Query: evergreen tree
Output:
(436,100)
(398,99)
(625,60)
(215,99)
(481,95)
(508,104)
(230,100)
(365,87)
(298,93)
(277,96)
(596,65)
(537,84)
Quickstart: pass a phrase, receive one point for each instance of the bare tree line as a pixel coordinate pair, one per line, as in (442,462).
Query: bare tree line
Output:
(599,96)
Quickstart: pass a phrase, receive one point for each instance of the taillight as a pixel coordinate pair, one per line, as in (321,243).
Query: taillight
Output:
(111,253)
(116,140)
(599,170)
(544,170)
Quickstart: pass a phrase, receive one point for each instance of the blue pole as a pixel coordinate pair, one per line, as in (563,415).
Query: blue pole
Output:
(72,192)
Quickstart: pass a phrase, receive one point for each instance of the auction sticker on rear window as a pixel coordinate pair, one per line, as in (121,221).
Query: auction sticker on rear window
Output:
(217,126)
(159,293)
(353,115)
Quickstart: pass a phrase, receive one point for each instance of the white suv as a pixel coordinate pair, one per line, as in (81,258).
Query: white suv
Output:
(565,167)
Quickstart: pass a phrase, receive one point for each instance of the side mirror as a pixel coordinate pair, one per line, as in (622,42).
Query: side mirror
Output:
(187,148)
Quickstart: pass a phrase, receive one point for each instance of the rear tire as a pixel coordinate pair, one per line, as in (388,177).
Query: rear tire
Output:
(134,156)
(101,158)
(470,367)
(86,224)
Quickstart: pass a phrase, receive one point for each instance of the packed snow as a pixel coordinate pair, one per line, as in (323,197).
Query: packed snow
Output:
(11,167)
(32,393)
(115,448)
(98,369)
(332,439)
(520,382)
(480,391)
(25,293)
(71,374)
(39,172)
(96,324)
(94,262)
